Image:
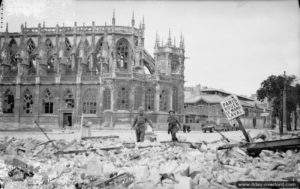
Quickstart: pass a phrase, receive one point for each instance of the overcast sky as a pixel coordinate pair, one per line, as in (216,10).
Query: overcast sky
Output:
(233,45)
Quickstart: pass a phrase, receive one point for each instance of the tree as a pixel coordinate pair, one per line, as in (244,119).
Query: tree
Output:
(272,89)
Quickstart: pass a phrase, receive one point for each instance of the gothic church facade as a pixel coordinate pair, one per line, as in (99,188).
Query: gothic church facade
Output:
(57,75)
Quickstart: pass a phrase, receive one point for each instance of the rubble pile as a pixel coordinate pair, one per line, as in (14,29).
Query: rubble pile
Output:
(111,163)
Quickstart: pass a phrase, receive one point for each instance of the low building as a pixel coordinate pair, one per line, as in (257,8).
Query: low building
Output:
(201,105)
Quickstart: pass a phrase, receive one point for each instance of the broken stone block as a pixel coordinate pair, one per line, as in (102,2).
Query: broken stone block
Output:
(192,155)
(259,140)
(168,167)
(94,168)
(183,183)
(266,153)
(203,183)
(143,185)
(183,169)
(154,174)
(140,172)
(108,168)
(203,148)
(15,184)
(289,153)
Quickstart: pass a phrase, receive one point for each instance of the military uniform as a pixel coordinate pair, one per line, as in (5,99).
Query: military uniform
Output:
(140,126)
(174,126)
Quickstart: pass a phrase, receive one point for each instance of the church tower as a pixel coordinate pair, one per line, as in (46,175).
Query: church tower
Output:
(169,58)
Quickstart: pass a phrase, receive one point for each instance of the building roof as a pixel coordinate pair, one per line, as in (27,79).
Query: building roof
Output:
(206,98)
(227,93)
(193,98)
(216,99)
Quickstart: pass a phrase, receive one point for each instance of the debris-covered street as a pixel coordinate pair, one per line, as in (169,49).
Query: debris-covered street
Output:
(116,161)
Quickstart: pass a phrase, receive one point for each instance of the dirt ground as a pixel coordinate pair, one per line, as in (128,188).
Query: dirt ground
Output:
(129,135)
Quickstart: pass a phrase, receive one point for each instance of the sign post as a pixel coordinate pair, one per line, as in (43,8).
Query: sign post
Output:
(233,110)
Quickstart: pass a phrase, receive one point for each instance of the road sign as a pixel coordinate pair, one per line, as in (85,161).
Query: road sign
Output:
(232,107)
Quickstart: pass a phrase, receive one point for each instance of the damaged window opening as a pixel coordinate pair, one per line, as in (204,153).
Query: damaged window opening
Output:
(69,99)
(123,99)
(175,99)
(106,99)
(49,45)
(174,66)
(27,102)
(163,101)
(138,97)
(89,103)
(13,47)
(31,57)
(50,64)
(122,55)
(68,45)
(149,100)
(8,102)
(48,102)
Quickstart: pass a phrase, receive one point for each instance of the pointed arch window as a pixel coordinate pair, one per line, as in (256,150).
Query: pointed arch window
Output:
(123,99)
(13,48)
(105,68)
(49,45)
(122,55)
(106,99)
(47,102)
(163,100)
(174,66)
(98,55)
(99,45)
(149,99)
(68,45)
(27,102)
(83,48)
(30,48)
(50,64)
(69,99)
(8,102)
(138,93)
(89,103)
(175,99)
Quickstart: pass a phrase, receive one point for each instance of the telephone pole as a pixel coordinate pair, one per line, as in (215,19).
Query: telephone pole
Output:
(284,102)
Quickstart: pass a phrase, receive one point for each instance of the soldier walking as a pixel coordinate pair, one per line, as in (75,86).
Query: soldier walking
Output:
(139,125)
(174,125)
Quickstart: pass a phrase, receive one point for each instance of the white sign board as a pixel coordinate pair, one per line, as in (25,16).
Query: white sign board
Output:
(232,107)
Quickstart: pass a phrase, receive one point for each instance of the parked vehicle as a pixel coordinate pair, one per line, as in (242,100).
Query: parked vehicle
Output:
(211,126)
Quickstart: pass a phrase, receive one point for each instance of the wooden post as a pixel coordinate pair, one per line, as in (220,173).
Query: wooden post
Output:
(81,123)
(241,127)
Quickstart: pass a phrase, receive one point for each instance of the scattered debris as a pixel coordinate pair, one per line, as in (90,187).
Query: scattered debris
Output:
(107,162)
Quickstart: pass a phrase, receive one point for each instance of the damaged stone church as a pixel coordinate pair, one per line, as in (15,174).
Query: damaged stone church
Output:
(57,75)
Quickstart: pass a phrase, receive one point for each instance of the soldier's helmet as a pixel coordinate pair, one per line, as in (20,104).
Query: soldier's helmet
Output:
(141,109)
